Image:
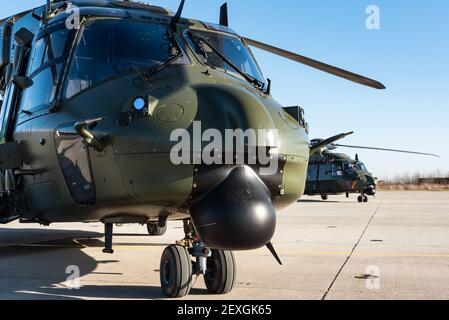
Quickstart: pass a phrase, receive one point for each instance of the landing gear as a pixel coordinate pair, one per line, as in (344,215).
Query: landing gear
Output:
(363,198)
(9,206)
(155,230)
(324,197)
(108,237)
(177,267)
(176,272)
(220,275)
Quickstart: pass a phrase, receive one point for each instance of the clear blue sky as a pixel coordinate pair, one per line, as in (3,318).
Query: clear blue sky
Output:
(409,54)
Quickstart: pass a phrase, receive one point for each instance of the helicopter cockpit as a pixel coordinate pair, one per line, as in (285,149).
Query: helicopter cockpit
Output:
(362,166)
(108,48)
(229,46)
(354,167)
(45,66)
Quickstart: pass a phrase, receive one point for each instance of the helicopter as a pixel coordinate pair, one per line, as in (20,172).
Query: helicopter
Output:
(332,173)
(100,99)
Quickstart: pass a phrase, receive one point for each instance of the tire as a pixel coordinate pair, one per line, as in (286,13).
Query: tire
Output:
(155,230)
(176,272)
(360,199)
(221,272)
(324,197)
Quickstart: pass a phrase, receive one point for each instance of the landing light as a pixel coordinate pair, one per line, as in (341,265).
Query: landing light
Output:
(139,104)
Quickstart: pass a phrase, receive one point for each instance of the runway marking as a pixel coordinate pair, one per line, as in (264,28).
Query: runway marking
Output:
(42,246)
(59,295)
(284,253)
(352,251)
(361,254)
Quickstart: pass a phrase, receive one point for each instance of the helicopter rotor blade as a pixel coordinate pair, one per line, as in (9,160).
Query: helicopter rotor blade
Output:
(224,20)
(388,150)
(317,64)
(316,148)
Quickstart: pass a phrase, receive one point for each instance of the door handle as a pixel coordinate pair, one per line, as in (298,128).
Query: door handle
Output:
(89,138)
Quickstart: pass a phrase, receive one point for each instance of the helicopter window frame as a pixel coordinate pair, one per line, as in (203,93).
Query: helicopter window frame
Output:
(183,57)
(362,166)
(47,36)
(55,66)
(201,60)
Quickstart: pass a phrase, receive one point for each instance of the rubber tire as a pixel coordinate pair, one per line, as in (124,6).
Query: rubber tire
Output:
(155,230)
(360,199)
(220,273)
(176,272)
(324,197)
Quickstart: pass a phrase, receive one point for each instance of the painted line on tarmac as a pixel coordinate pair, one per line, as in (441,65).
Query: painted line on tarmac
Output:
(363,254)
(284,253)
(353,250)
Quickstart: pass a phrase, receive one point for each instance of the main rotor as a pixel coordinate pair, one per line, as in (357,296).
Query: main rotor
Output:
(323,145)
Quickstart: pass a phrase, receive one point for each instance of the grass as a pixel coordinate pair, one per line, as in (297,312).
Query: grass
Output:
(412,187)
(411,183)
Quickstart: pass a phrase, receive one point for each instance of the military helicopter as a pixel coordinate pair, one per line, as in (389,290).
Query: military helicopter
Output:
(93,92)
(332,173)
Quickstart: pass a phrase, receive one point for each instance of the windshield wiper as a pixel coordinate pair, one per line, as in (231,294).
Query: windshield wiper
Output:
(260,85)
(152,71)
(147,74)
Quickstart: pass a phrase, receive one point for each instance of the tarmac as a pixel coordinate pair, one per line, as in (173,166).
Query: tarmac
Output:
(394,247)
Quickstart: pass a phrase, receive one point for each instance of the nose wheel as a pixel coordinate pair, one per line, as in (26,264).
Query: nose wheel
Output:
(220,274)
(363,198)
(190,257)
(176,272)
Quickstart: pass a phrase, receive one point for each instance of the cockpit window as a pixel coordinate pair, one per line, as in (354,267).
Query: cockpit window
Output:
(350,167)
(47,49)
(45,70)
(108,48)
(231,47)
(362,166)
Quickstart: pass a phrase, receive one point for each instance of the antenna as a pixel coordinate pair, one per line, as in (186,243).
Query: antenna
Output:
(48,9)
(177,16)
(224,21)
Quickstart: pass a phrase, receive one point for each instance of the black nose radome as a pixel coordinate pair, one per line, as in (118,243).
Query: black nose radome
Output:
(371,191)
(237,215)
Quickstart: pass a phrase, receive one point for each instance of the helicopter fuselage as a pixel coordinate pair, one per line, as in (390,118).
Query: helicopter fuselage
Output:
(334,173)
(94,124)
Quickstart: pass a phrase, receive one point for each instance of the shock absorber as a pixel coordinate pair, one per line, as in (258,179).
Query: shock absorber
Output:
(201,253)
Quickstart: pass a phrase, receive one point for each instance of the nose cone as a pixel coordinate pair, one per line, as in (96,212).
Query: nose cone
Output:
(237,215)
(231,107)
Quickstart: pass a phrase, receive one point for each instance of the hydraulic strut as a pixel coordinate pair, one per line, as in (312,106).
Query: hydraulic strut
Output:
(108,235)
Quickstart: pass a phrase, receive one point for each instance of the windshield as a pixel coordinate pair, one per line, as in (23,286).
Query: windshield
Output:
(350,167)
(108,48)
(232,48)
(362,166)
